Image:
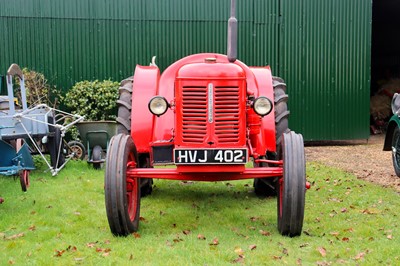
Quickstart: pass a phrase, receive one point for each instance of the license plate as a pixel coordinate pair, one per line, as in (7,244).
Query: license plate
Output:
(210,156)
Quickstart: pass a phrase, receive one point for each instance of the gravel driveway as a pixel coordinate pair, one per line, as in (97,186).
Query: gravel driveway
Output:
(363,158)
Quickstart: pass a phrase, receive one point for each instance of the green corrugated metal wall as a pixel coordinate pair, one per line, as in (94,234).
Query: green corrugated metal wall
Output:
(325,56)
(321,48)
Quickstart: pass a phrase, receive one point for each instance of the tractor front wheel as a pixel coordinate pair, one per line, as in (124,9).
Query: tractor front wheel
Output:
(292,186)
(122,192)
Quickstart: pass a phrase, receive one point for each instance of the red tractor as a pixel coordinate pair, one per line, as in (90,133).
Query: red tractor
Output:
(209,115)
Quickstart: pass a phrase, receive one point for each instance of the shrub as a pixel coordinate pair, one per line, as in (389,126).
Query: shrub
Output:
(95,100)
(38,90)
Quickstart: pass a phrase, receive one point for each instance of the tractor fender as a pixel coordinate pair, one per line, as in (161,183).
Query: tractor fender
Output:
(266,138)
(145,86)
(393,123)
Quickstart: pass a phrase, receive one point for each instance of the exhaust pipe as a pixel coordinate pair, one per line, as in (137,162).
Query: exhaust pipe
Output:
(232,34)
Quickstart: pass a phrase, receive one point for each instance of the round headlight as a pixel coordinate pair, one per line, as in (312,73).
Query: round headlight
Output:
(262,106)
(158,105)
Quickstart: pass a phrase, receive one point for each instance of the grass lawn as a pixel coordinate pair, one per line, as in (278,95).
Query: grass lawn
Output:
(61,221)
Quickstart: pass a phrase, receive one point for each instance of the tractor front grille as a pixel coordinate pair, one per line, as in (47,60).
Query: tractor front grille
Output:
(225,124)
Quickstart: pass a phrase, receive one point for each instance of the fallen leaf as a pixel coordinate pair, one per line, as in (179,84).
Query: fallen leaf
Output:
(344,210)
(131,257)
(186,232)
(106,254)
(265,233)
(59,253)
(72,248)
(252,247)
(239,251)
(239,260)
(91,244)
(77,213)
(201,237)
(14,236)
(32,228)
(253,219)
(142,219)
(285,251)
(162,213)
(360,256)
(304,245)
(334,233)
(277,257)
(345,239)
(215,242)
(299,261)
(107,241)
(322,251)
(390,237)
(136,235)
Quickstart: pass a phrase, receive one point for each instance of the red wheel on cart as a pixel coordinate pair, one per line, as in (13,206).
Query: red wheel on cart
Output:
(122,192)
(292,186)
(24,179)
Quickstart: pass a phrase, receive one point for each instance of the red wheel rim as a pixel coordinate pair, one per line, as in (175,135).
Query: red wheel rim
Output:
(132,191)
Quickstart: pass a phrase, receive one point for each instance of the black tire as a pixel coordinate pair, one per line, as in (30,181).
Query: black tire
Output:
(125,106)
(78,148)
(266,187)
(97,154)
(122,193)
(24,179)
(292,186)
(55,147)
(396,150)
(124,127)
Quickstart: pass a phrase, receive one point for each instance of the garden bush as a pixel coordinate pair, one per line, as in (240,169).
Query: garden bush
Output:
(95,100)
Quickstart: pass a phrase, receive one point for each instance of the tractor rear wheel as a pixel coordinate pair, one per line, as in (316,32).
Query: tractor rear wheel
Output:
(124,106)
(292,186)
(396,150)
(124,126)
(122,192)
(267,186)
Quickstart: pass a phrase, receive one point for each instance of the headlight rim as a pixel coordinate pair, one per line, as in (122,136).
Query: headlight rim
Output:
(259,99)
(161,98)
